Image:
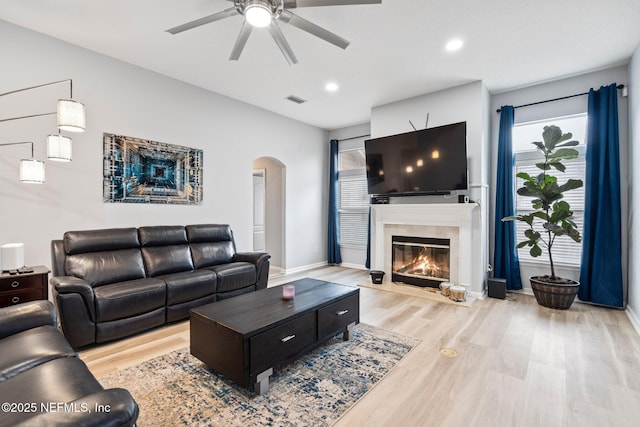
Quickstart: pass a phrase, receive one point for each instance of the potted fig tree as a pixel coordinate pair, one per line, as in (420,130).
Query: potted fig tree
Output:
(552,216)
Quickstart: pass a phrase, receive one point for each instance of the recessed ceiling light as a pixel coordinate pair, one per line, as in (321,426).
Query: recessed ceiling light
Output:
(331,87)
(454,45)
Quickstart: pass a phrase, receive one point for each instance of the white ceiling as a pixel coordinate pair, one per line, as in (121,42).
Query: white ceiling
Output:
(396,52)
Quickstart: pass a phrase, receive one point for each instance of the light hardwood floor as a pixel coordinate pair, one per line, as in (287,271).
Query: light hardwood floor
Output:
(518,364)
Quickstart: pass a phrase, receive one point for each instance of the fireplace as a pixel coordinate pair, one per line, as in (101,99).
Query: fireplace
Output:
(420,261)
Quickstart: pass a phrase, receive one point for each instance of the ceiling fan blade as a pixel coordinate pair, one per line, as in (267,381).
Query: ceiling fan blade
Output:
(206,20)
(282,43)
(241,41)
(314,29)
(290,4)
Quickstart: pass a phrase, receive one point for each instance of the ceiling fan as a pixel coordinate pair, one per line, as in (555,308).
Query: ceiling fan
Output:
(266,14)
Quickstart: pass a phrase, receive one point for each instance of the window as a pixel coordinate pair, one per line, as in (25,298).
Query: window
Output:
(353,204)
(566,252)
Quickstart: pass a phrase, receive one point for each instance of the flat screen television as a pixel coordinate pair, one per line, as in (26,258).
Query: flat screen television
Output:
(430,161)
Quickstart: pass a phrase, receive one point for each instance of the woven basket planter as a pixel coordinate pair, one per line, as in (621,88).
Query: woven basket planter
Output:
(554,295)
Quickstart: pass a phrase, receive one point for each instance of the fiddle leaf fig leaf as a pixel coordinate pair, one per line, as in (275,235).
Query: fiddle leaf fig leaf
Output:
(535,251)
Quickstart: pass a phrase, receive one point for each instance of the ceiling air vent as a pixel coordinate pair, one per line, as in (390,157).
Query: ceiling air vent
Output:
(296,99)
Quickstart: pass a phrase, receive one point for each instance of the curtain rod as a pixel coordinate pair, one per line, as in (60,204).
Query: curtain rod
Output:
(354,137)
(555,99)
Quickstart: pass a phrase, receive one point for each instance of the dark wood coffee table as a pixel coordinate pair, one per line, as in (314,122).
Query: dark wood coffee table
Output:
(245,337)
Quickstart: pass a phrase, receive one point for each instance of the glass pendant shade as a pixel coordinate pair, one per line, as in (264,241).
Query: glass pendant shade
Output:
(59,148)
(258,14)
(71,115)
(31,171)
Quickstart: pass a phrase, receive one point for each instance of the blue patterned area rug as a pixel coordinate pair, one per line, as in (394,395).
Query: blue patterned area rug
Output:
(178,390)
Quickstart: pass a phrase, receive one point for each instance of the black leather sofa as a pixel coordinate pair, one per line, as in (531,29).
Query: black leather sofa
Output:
(42,380)
(112,283)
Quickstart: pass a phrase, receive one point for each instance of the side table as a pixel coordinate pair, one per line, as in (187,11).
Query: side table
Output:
(19,288)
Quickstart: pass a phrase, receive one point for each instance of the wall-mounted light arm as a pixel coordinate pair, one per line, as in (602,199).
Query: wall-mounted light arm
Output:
(31,170)
(6,144)
(70,113)
(43,85)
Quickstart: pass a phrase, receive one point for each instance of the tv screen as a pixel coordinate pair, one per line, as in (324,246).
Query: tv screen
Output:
(429,161)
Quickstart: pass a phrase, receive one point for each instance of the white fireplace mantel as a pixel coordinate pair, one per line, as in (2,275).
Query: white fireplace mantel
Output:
(458,221)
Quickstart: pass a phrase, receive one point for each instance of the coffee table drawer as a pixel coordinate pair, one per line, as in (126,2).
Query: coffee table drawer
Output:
(336,316)
(276,345)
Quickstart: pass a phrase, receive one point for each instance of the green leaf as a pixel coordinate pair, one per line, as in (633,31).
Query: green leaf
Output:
(535,251)
(538,144)
(569,144)
(572,184)
(532,235)
(525,176)
(559,166)
(551,135)
(544,166)
(565,153)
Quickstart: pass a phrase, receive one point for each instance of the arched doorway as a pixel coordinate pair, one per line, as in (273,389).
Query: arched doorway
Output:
(269,210)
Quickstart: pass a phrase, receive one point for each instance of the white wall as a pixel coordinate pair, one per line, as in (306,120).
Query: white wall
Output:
(552,90)
(633,307)
(124,99)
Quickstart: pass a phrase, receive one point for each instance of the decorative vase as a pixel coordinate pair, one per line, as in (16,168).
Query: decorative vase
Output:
(554,295)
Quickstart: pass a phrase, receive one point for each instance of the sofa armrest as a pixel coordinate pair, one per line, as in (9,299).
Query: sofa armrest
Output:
(65,285)
(28,315)
(113,407)
(261,261)
(256,258)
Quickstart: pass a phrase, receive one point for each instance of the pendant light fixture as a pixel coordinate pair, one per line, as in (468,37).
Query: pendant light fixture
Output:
(59,148)
(71,115)
(31,170)
(70,118)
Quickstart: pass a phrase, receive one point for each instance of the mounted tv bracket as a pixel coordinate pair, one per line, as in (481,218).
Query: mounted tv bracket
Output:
(426,122)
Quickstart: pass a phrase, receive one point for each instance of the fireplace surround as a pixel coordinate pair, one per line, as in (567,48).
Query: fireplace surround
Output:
(458,222)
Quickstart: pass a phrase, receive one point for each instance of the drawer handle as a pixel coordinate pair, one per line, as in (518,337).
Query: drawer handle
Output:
(342,312)
(290,337)
(15,300)
(15,284)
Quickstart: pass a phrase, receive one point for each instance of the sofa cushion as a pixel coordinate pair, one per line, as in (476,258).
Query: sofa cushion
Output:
(99,268)
(166,259)
(77,242)
(190,285)
(204,233)
(57,381)
(234,275)
(162,235)
(31,348)
(165,249)
(130,298)
(211,244)
(114,329)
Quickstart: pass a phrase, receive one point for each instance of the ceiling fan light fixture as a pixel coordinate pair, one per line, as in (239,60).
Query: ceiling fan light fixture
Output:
(258,14)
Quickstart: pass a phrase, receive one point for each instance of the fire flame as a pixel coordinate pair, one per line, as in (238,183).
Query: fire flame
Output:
(421,265)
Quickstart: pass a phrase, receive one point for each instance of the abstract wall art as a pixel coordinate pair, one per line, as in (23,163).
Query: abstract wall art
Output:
(141,171)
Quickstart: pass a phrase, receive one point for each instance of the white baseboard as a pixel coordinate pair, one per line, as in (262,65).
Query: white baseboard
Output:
(303,268)
(355,266)
(633,318)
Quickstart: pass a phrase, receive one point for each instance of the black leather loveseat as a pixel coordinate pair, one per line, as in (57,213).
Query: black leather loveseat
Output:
(42,380)
(112,283)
